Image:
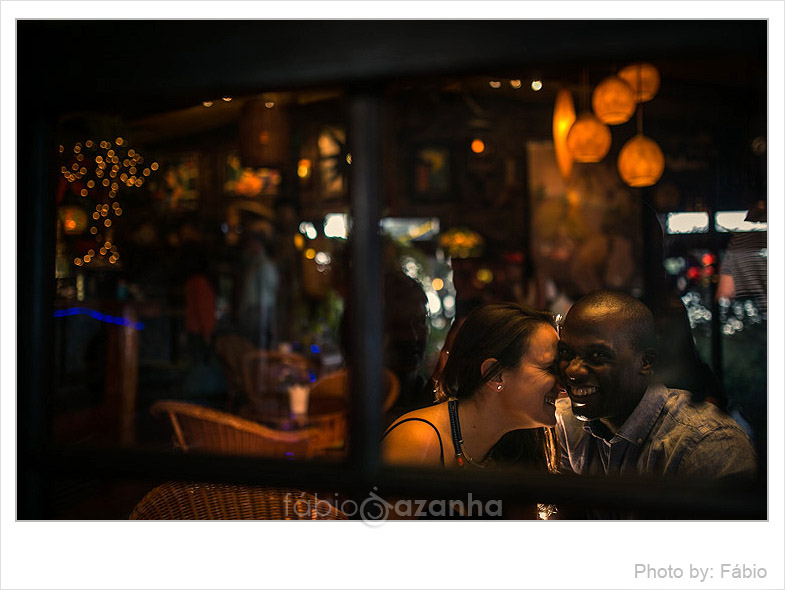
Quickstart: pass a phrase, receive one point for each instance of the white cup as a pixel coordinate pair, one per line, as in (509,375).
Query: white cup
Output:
(298,399)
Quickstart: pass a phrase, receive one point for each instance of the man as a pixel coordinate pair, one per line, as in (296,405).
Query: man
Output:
(617,420)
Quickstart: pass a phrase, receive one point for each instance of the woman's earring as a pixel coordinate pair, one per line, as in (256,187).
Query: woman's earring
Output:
(499,387)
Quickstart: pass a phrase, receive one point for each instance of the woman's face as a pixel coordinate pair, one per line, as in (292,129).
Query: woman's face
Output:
(531,389)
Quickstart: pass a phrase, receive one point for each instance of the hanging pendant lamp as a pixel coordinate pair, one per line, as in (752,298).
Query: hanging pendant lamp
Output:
(613,101)
(641,162)
(589,138)
(643,78)
(563,118)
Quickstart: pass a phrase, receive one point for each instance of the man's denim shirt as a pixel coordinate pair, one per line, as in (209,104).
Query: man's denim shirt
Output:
(667,434)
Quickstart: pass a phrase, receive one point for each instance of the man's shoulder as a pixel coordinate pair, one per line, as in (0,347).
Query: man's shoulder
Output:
(701,428)
(699,418)
(707,441)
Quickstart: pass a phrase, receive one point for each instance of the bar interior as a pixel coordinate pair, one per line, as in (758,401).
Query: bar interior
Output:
(245,244)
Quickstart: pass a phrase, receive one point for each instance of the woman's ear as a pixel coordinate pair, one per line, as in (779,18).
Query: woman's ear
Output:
(490,364)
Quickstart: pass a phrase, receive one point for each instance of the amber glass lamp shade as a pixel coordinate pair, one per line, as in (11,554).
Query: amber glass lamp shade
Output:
(563,118)
(640,162)
(613,101)
(589,139)
(643,78)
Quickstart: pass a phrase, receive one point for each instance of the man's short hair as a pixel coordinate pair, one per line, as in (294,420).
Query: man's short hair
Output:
(637,319)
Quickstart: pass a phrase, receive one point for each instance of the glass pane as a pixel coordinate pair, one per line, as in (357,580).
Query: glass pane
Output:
(743,308)
(201,278)
(203,253)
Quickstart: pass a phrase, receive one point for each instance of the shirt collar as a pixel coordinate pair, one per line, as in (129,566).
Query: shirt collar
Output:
(637,427)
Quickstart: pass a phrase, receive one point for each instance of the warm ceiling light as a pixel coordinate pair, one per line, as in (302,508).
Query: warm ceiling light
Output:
(515,83)
(478,146)
(227,99)
(208,103)
(536,85)
(589,139)
(495,84)
(304,168)
(563,118)
(643,78)
(640,162)
(613,101)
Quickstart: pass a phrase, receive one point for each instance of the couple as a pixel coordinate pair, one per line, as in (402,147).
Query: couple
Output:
(508,366)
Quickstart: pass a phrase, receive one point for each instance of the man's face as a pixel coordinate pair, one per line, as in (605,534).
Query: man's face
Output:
(603,374)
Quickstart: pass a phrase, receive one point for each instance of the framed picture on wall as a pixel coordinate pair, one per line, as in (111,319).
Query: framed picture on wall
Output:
(175,186)
(334,160)
(431,172)
(250,183)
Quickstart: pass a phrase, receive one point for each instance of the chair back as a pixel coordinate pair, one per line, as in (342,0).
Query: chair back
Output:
(230,350)
(337,384)
(201,429)
(213,501)
(268,372)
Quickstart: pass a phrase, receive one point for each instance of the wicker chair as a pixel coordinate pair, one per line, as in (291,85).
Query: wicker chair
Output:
(210,501)
(267,372)
(230,350)
(201,429)
(337,384)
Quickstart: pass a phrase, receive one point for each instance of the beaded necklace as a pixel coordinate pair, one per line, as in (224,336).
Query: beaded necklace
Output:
(457,440)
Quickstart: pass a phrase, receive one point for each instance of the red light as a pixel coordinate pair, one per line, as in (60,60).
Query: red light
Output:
(708,259)
(693,272)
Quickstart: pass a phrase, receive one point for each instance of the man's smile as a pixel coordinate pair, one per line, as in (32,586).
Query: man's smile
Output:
(583,391)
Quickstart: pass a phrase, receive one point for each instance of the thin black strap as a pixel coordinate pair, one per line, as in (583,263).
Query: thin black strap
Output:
(455,429)
(439,436)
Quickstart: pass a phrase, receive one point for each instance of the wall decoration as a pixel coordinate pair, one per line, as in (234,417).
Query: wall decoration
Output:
(95,174)
(242,181)
(334,160)
(176,188)
(431,172)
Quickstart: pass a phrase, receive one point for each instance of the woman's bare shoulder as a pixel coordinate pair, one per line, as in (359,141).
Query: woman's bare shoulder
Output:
(416,438)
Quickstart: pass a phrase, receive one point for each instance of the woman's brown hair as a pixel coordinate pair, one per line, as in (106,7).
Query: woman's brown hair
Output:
(501,331)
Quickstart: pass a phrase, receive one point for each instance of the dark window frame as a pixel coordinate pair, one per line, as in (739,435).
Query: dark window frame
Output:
(444,51)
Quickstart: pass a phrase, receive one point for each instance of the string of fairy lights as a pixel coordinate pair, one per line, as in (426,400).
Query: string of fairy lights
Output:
(100,170)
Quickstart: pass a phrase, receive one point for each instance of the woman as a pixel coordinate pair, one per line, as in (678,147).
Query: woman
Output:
(499,378)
